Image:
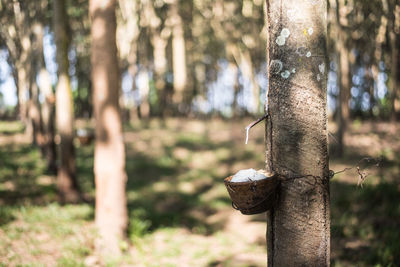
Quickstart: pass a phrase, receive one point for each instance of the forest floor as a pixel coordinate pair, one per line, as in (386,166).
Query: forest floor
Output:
(180,213)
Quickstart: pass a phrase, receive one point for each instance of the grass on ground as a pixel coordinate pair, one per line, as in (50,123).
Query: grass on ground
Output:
(180,213)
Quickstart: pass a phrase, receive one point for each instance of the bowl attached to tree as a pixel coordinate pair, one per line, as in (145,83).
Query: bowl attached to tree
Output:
(252,191)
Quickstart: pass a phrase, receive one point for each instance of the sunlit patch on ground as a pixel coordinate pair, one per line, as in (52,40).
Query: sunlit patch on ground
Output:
(180,213)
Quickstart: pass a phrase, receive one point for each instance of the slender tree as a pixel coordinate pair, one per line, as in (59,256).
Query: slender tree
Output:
(394,32)
(344,75)
(47,108)
(109,165)
(127,36)
(296,133)
(34,114)
(66,176)
(15,33)
(178,53)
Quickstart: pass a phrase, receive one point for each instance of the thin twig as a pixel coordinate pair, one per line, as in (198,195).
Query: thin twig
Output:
(361,175)
(367,159)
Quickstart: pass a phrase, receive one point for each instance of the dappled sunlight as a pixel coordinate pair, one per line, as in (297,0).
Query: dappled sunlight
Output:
(120,120)
(178,203)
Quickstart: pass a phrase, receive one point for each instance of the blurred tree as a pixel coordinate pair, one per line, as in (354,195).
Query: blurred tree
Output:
(16,35)
(178,53)
(344,73)
(240,28)
(78,17)
(47,107)
(66,176)
(20,20)
(109,165)
(159,34)
(296,133)
(127,36)
(152,27)
(34,113)
(212,35)
(394,32)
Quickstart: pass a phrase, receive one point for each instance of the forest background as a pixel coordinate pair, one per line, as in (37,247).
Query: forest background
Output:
(192,75)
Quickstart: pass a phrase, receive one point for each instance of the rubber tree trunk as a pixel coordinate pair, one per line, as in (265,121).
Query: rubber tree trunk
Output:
(23,89)
(127,36)
(109,157)
(248,71)
(22,61)
(66,175)
(344,96)
(178,54)
(34,114)
(296,133)
(394,68)
(235,76)
(343,114)
(48,112)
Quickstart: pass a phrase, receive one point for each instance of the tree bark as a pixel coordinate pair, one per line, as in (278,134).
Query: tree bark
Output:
(296,133)
(66,176)
(109,165)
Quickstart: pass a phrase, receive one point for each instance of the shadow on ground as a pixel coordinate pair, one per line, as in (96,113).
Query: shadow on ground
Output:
(365,219)
(176,180)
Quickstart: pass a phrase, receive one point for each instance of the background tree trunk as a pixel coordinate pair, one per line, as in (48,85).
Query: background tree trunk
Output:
(22,61)
(66,176)
(34,114)
(344,73)
(296,133)
(127,38)
(394,26)
(344,96)
(47,110)
(109,165)
(178,54)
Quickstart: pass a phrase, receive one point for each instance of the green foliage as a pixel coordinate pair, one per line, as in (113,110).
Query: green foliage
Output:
(6,215)
(9,128)
(368,215)
(138,225)
(68,261)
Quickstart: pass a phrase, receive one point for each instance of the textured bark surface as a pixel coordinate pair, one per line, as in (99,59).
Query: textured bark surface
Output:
(109,158)
(296,133)
(66,175)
